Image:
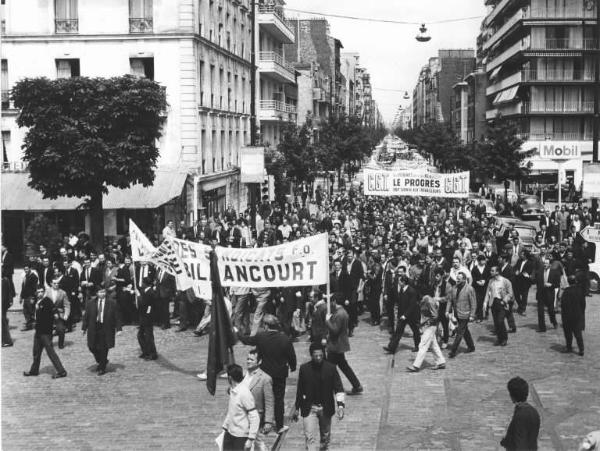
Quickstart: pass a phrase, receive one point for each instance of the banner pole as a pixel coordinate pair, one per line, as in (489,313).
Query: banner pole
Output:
(135,290)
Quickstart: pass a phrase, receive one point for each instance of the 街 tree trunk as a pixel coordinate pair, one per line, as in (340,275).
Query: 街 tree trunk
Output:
(96,221)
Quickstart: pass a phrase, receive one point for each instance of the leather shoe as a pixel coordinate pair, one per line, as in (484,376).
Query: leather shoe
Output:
(580,353)
(468,351)
(59,375)
(388,350)
(540,330)
(101,371)
(555,325)
(566,351)
(415,349)
(29,373)
(7,345)
(503,343)
(513,330)
(61,346)
(441,366)
(452,355)
(181,329)
(151,357)
(412,369)
(142,356)
(355,391)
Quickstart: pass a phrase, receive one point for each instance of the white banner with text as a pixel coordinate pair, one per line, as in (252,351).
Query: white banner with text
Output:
(416,183)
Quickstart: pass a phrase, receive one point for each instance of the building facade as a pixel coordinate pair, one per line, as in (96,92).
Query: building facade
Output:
(277,90)
(198,50)
(539,59)
(469,107)
(433,93)
(313,96)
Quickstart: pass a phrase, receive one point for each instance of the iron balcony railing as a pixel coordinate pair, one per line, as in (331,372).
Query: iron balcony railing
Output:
(140,24)
(555,136)
(564,44)
(66,26)
(557,75)
(277,59)
(586,106)
(277,105)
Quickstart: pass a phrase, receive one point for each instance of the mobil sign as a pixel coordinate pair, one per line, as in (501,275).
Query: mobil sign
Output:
(559,150)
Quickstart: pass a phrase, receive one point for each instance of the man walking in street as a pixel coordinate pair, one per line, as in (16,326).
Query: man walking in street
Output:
(278,355)
(499,294)
(62,309)
(147,305)
(406,299)
(44,323)
(261,387)
(548,284)
(524,428)
(28,296)
(338,343)
(99,321)
(572,309)
(462,301)
(319,390)
(242,420)
(429,315)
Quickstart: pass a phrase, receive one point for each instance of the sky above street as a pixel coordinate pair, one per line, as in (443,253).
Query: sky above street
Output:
(390,51)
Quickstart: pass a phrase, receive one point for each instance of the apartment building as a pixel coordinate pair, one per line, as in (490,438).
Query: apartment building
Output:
(198,49)
(539,59)
(432,95)
(469,107)
(349,68)
(277,89)
(313,96)
(313,43)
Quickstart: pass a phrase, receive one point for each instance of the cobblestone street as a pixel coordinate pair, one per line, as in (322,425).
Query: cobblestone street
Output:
(161,405)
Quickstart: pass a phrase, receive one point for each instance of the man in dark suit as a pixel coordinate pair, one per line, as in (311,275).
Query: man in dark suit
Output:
(319,390)
(125,294)
(523,430)
(44,323)
(99,321)
(7,301)
(407,301)
(90,279)
(356,274)
(572,309)
(28,289)
(481,274)
(338,280)
(548,283)
(45,273)
(524,274)
(167,288)
(278,355)
(73,279)
(147,303)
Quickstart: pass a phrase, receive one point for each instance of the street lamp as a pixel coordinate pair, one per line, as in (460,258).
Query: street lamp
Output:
(406,96)
(423,36)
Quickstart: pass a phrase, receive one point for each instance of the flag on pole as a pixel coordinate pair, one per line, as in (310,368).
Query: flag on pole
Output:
(221,337)
(141,247)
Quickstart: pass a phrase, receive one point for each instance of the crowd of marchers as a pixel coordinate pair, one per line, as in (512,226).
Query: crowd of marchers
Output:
(434,265)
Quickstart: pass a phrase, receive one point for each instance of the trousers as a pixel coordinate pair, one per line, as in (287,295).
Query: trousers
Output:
(29,312)
(278,400)
(145,338)
(547,300)
(41,342)
(429,340)
(571,332)
(399,331)
(462,331)
(443,319)
(499,315)
(241,312)
(521,295)
(6,338)
(339,359)
(262,298)
(317,429)
(100,348)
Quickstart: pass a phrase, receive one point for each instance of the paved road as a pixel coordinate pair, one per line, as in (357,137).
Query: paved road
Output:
(160,404)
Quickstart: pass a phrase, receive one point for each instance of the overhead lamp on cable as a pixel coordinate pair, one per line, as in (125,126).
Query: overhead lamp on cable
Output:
(406,96)
(423,36)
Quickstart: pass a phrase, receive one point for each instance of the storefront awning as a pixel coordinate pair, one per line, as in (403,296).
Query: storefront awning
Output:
(507,95)
(18,196)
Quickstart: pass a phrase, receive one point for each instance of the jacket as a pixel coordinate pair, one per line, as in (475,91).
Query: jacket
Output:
(109,325)
(261,387)
(463,303)
(276,351)
(408,303)
(29,286)
(44,316)
(338,331)
(523,430)
(62,306)
(312,380)
(572,307)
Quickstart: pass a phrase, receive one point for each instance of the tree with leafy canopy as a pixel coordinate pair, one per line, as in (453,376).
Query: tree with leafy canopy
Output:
(500,154)
(86,134)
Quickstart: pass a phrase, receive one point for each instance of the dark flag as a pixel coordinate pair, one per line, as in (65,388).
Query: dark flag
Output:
(221,338)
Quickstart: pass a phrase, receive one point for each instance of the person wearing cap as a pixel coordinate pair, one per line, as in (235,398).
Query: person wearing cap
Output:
(573,314)
(318,393)
(524,427)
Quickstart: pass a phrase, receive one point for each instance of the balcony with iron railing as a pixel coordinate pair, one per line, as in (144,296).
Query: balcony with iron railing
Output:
(66,26)
(272,63)
(7,104)
(271,18)
(570,12)
(555,136)
(140,24)
(557,76)
(564,44)
(573,107)
(276,110)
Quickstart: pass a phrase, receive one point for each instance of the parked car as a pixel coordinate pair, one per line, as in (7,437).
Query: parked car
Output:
(526,231)
(511,195)
(490,209)
(531,208)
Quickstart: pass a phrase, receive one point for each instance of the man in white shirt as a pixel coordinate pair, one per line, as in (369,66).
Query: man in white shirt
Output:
(242,421)
(169,230)
(285,229)
(456,268)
